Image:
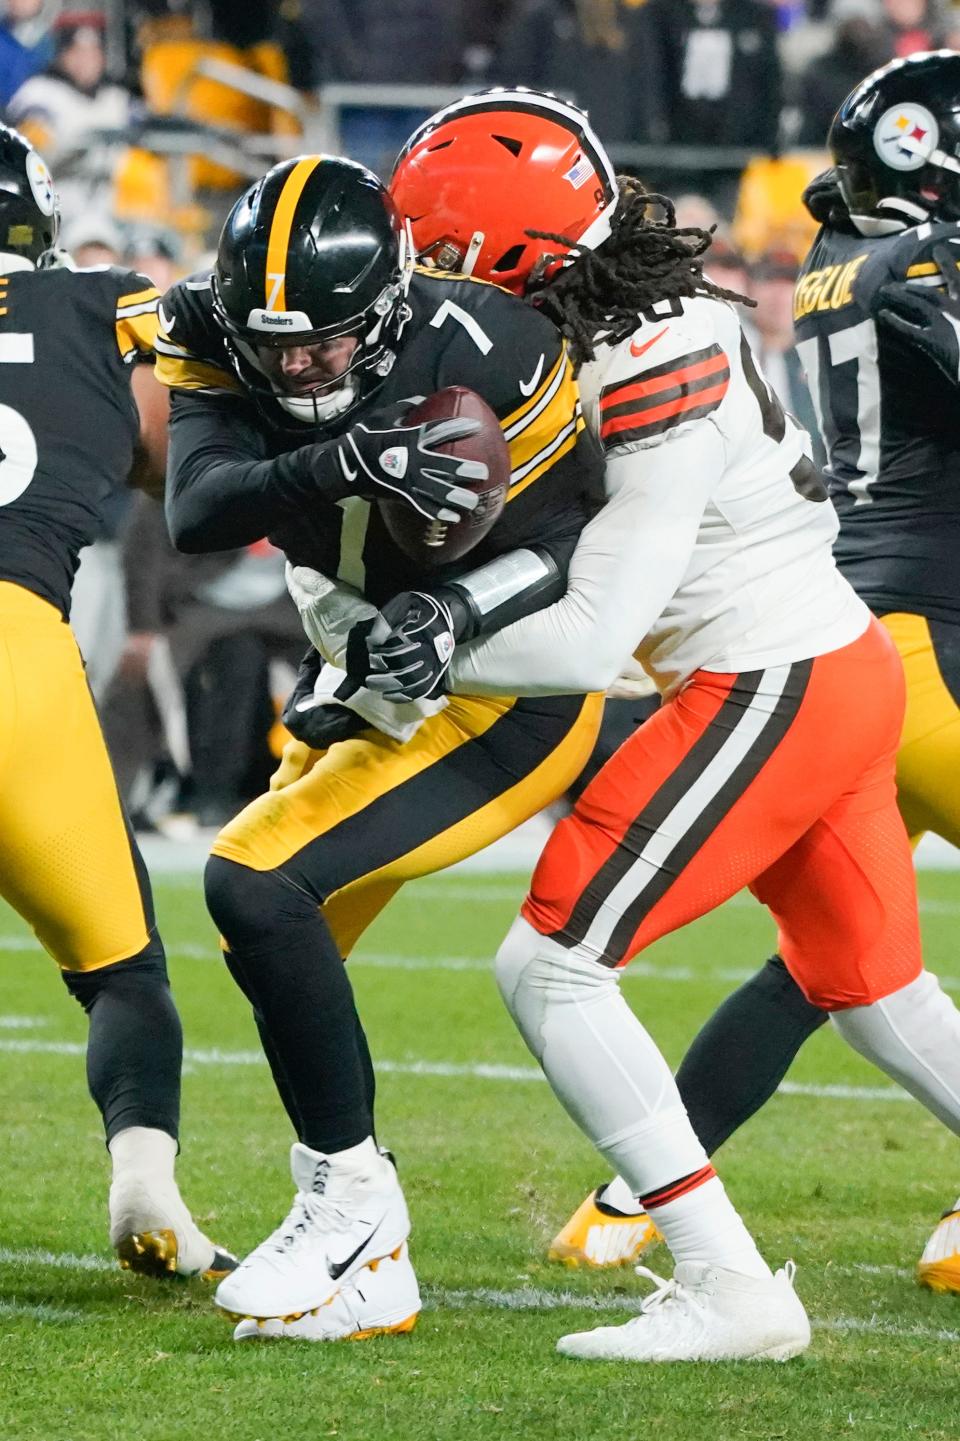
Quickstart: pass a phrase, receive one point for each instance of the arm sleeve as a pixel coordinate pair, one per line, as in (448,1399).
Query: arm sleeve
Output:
(627,565)
(222,492)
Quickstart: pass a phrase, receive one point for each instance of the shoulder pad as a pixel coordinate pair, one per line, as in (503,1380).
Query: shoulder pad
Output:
(920,251)
(494,343)
(190,349)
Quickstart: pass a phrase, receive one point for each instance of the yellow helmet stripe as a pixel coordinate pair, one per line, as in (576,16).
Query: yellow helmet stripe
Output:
(279,241)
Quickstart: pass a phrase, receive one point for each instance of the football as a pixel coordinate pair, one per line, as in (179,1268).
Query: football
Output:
(432,542)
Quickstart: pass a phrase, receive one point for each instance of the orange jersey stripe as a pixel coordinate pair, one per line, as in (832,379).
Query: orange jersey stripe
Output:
(637,419)
(714,364)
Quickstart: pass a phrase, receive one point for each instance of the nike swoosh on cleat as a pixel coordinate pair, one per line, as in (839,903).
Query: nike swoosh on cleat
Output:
(337,1268)
(639,350)
(527,387)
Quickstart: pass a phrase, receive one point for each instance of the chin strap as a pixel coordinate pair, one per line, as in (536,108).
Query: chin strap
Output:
(898,215)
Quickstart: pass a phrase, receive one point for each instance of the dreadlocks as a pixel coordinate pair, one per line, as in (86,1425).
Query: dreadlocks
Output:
(597,297)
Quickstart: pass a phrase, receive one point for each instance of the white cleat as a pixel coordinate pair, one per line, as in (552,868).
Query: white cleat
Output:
(383,1300)
(705,1313)
(342,1218)
(153,1233)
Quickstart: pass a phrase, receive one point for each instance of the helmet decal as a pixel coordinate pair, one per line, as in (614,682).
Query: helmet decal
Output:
(906,136)
(41,183)
(278,243)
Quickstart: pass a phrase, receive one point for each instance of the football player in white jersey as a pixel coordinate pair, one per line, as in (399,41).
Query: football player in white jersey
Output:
(770,763)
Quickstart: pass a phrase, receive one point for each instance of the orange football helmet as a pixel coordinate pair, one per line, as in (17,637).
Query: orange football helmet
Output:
(485,170)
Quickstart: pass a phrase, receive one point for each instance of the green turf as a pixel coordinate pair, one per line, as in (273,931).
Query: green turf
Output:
(491,1167)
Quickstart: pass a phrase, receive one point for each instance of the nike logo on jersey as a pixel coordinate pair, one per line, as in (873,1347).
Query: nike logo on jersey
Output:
(166,322)
(639,350)
(337,1268)
(527,387)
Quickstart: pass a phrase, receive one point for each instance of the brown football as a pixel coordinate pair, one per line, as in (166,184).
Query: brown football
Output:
(432,542)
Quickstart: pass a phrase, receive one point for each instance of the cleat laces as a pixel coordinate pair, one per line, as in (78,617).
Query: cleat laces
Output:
(308,1215)
(671,1305)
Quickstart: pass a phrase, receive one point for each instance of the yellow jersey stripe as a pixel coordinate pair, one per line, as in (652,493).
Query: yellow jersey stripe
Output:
(551,455)
(925,267)
(194,375)
(137,329)
(275,278)
(139,297)
(529,405)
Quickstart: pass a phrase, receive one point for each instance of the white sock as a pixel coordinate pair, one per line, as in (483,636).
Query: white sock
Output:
(617,1193)
(914,1036)
(147,1152)
(704,1225)
(612,1079)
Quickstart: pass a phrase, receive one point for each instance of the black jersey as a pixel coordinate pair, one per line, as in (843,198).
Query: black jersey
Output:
(68,423)
(461,332)
(890,422)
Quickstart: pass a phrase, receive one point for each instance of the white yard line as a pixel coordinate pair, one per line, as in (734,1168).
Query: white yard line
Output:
(55,1315)
(62,1260)
(638,970)
(457,1070)
(867,1268)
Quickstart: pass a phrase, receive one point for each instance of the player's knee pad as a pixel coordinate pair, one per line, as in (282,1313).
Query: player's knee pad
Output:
(248,905)
(145,970)
(536,976)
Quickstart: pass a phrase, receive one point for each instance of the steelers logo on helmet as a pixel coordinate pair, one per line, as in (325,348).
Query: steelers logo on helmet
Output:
(41,183)
(906,136)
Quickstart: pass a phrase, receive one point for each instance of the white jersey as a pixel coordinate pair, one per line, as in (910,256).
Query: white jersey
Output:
(714,550)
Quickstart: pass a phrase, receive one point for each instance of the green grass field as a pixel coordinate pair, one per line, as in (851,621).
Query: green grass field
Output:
(848,1184)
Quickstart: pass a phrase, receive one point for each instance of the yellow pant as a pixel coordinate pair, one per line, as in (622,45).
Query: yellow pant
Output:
(928,761)
(66,859)
(351,824)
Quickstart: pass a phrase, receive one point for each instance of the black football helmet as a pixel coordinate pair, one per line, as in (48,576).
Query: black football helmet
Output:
(29,213)
(313,252)
(896,144)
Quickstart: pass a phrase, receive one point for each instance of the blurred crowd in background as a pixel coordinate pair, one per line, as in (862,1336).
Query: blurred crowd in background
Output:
(155,114)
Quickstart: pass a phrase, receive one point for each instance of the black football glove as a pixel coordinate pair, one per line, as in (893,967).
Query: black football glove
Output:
(406,653)
(316,724)
(928,317)
(824,200)
(386,455)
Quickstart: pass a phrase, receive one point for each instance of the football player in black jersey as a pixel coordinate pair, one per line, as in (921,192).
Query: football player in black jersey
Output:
(69,428)
(291,369)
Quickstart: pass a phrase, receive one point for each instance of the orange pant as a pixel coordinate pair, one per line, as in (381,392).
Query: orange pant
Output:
(781,780)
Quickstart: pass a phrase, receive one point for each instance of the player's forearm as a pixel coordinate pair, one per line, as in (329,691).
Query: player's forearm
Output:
(507,588)
(221,495)
(628,563)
